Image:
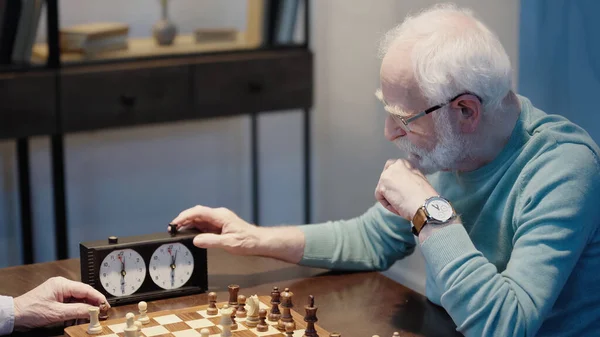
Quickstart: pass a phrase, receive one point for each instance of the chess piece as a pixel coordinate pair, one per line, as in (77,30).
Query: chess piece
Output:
(94,328)
(286,314)
(226,321)
(335,334)
(289,329)
(103,316)
(138,325)
(241,309)
(275,314)
(204,332)
(131,330)
(396,334)
(143,308)
(262,325)
(172,229)
(212,304)
(234,324)
(233,295)
(253,306)
(310,318)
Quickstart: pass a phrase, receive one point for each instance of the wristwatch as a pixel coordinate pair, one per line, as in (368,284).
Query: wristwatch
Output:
(436,210)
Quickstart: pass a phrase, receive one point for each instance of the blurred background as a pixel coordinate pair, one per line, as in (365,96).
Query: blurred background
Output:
(133,180)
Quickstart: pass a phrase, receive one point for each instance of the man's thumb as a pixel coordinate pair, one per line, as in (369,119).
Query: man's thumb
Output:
(208,240)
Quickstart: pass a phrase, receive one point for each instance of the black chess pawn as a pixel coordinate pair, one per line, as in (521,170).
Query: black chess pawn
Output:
(275,314)
(212,304)
(103,316)
(241,309)
(310,318)
(234,324)
(262,325)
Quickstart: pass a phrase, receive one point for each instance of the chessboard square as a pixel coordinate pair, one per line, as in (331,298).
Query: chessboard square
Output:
(109,335)
(215,320)
(176,326)
(116,328)
(186,333)
(200,323)
(150,323)
(189,316)
(205,314)
(154,331)
(212,330)
(167,319)
(239,327)
(244,333)
(270,332)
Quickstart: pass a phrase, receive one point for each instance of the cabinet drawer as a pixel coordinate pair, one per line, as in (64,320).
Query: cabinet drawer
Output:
(28,105)
(257,84)
(123,97)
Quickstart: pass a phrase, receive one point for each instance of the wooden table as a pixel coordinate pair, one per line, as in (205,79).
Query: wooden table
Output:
(354,304)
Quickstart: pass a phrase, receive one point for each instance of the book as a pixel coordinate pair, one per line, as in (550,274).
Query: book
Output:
(94,37)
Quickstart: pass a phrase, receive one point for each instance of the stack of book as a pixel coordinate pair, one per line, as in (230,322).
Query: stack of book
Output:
(94,38)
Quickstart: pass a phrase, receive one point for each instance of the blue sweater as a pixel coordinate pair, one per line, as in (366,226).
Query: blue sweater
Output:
(526,259)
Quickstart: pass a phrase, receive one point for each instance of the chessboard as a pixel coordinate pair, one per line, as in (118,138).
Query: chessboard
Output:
(188,322)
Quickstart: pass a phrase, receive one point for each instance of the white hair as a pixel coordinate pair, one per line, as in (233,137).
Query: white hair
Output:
(453,52)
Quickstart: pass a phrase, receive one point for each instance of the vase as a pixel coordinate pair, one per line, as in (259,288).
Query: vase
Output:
(164,31)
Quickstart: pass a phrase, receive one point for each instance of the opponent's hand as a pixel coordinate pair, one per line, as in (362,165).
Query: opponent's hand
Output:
(44,305)
(402,188)
(221,229)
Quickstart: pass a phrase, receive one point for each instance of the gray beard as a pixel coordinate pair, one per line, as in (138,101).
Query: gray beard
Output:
(450,150)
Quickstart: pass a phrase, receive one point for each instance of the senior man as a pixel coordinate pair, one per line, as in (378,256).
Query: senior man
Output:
(502,197)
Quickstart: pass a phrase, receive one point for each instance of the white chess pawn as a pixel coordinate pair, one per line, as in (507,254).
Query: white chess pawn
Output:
(204,332)
(94,328)
(131,330)
(143,307)
(138,325)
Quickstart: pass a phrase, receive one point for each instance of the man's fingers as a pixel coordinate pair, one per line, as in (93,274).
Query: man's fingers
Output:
(199,213)
(80,291)
(70,311)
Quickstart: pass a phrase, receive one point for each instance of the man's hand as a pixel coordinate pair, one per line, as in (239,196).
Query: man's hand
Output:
(224,229)
(45,305)
(221,228)
(402,188)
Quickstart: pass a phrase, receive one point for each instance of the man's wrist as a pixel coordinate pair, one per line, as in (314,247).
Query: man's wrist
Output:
(429,229)
(7,315)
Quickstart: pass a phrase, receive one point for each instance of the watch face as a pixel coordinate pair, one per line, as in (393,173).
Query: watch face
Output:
(171,265)
(122,272)
(439,209)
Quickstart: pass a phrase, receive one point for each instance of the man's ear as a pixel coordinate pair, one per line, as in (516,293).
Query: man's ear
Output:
(469,112)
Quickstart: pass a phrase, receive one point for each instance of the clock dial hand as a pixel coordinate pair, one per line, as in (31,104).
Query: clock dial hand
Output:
(123,273)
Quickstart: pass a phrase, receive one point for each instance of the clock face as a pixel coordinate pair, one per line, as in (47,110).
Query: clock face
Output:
(122,272)
(171,265)
(439,209)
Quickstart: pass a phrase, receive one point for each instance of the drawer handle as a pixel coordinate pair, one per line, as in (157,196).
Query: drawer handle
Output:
(255,87)
(127,100)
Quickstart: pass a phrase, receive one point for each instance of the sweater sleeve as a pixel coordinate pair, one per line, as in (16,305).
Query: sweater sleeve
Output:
(7,315)
(556,214)
(372,241)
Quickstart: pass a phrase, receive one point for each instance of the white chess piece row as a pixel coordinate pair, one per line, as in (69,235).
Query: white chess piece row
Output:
(132,329)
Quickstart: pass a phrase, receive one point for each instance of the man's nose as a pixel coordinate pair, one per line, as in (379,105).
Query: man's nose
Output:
(393,129)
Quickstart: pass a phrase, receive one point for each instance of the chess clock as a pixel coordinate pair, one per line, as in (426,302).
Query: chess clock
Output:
(146,267)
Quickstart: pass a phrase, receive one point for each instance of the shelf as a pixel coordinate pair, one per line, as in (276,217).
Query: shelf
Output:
(147,47)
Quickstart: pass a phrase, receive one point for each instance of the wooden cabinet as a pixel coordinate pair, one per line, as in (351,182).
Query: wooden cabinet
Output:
(95,98)
(28,104)
(272,81)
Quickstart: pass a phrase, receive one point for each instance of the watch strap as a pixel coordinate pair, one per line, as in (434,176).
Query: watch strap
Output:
(419,220)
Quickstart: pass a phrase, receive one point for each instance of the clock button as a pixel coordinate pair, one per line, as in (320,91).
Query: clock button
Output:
(113,239)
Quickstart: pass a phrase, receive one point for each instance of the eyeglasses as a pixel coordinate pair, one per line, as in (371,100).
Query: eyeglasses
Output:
(405,121)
